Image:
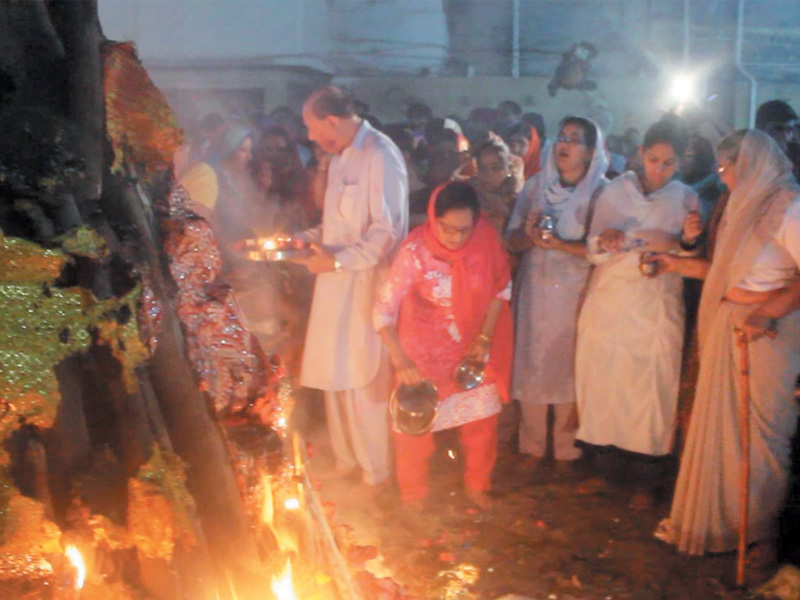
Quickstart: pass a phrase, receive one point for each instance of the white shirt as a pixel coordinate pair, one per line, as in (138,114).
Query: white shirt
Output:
(779,260)
(364,219)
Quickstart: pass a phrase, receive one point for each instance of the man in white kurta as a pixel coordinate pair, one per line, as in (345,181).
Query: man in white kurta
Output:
(365,217)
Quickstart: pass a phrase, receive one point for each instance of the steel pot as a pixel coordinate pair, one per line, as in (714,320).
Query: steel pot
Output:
(469,374)
(413,407)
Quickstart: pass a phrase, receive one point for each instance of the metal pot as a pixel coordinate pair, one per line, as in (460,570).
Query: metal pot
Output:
(469,374)
(547,227)
(413,407)
(647,267)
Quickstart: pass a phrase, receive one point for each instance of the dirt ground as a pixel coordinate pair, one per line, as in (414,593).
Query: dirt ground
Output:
(541,540)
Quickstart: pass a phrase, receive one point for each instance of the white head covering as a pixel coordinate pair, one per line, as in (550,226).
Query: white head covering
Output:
(566,202)
(765,188)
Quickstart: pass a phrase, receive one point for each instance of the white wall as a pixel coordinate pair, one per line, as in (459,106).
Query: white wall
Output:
(348,35)
(211,29)
(631,101)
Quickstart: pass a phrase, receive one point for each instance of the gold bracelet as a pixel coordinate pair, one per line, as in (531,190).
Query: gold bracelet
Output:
(484,337)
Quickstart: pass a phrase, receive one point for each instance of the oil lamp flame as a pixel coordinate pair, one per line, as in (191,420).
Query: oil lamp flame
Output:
(282,587)
(74,556)
(291,504)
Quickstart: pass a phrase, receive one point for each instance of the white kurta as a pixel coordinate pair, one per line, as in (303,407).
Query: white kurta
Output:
(549,287)
(630,330)
(365,217)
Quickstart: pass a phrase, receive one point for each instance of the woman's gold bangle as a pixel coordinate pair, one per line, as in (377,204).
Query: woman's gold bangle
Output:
(485,338)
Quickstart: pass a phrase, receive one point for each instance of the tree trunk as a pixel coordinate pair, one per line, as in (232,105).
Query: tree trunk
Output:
(195,434)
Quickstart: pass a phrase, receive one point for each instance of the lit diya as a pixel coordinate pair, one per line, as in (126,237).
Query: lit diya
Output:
(276,249)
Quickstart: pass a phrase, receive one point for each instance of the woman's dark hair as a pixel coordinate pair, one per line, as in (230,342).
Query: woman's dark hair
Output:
(703,163)
(589,129)
(455,196)
(669,130)
(730,145)
(418,110)
(277,131)
(401,135)
(522,129)
(536,120)
(493,145)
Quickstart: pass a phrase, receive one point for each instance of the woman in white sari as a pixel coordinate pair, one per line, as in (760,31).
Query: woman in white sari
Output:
(630,330)
(550,284)
(752,283)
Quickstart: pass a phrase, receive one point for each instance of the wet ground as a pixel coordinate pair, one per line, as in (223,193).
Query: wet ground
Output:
(542,539)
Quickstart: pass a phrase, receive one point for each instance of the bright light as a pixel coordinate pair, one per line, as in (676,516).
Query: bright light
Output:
(282,587)
(76,559)
(682,88)
(451,454)
(268,507)
(291,504)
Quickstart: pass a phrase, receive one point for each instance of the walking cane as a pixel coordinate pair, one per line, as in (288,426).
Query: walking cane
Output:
(744,465)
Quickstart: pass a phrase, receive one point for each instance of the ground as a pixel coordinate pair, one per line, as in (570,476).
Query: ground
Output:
(541,540)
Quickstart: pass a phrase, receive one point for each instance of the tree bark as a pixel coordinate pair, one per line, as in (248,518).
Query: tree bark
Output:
(195,434)
(78,27)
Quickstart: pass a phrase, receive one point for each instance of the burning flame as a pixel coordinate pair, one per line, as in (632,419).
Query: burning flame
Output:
(451,453)
(268,507)
(76,559)
(269,244)
(291,504)
(282,587)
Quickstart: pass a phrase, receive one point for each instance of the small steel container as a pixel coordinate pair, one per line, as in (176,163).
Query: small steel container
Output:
(547,227)
(648,269)
(469,374)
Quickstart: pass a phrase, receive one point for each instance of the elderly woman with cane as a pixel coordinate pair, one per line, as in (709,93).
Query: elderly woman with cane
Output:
(751,291)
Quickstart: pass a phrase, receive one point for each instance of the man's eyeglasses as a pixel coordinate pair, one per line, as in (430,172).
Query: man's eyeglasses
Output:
(572,141)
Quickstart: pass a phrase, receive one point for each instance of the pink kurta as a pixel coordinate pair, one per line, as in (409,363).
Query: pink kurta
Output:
(419,289)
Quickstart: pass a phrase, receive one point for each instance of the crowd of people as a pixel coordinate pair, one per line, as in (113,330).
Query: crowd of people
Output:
(601,282)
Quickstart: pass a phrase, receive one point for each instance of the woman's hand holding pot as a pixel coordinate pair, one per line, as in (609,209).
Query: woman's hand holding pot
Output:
(406,371)
(479,348)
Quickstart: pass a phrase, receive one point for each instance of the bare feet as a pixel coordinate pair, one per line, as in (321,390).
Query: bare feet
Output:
(592,487)
(336,473)
(641,499)
(761,562)
(480,499)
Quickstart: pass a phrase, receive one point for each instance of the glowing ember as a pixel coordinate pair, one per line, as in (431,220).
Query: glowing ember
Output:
(291,504)
(267,508)
(282,587)
(76,559)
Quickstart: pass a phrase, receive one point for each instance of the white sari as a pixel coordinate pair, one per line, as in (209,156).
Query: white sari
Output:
(705,507)
(630,330)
